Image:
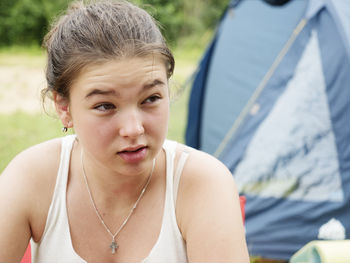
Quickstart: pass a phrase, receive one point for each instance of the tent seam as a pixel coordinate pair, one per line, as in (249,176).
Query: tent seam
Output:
(260,88)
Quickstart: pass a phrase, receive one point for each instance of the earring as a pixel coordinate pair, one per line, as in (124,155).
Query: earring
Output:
(64,129)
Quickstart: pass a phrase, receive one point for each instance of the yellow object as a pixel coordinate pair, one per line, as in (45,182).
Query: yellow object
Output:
(330,251)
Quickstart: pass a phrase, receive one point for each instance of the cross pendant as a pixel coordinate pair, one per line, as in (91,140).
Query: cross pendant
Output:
(113,246)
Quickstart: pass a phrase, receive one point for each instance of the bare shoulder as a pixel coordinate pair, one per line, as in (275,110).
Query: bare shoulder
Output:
(203,167)
(33,162)
(208,206)
(26,187)
(204,180)
(29,172)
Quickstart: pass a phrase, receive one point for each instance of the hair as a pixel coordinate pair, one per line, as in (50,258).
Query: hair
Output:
(93,33)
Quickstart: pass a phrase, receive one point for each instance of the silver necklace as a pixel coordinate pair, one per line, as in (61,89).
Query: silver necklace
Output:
(114,244)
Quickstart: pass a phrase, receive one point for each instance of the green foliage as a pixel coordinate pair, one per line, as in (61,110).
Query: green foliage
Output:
(5,24)
(180,19)
(168,14)
(25,22)
(28,16)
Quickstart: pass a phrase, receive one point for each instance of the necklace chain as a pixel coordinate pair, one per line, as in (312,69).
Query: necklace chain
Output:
(114,245)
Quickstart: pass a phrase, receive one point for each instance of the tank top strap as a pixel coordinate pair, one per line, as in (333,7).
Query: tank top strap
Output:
(59,196)
(170,150)
(63,170)
(173,176)
(178,173)
(170,246)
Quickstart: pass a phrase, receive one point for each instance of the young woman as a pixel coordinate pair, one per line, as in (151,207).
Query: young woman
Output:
(117,190)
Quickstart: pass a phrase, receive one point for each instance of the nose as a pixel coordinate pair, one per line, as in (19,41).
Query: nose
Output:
(132,125)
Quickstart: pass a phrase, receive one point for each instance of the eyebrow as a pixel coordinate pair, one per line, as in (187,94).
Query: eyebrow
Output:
(147,86)
(100,92)
(154,83)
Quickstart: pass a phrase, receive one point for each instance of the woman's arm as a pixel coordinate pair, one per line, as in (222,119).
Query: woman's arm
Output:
(26,188)
(208,212)
(14,210)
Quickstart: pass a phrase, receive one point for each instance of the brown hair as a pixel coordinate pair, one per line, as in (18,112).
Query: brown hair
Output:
(93,33)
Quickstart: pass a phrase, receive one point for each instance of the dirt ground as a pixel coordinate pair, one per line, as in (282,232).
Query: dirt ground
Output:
(20,88)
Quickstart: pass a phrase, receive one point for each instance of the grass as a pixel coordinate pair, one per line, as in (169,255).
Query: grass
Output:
(21,130)
(32,56)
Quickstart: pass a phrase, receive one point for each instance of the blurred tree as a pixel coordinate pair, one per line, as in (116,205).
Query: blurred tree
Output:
(53,9)
(182,18)
(29,20)
(5,7)
(26,21)
(212,12)
(168,14)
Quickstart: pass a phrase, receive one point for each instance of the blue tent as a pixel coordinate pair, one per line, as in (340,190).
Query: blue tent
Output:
(271,100)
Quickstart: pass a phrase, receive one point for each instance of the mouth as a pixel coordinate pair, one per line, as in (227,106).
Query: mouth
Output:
(133,154)
(133,149)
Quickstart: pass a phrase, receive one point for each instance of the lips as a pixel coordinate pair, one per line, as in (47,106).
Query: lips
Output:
(133,154)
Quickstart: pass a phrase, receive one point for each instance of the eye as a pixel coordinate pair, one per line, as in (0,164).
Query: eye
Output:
(105,107)
(151,99)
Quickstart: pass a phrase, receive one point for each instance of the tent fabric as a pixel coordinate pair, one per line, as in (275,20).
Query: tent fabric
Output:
(255,48)
(193,130)
(274,107)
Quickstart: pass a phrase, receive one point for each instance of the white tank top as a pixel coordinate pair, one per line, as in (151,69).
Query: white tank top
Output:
(56,244)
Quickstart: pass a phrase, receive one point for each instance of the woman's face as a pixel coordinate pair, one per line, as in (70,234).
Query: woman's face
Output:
(120,112)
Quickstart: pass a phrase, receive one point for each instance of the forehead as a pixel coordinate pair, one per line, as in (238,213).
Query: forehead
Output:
(125,71)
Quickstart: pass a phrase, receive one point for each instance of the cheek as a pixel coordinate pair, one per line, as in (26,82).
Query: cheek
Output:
(97,131)
(106,130)
(158,121)
(164,113)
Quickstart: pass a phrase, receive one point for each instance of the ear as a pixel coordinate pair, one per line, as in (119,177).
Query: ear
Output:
(62,109)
